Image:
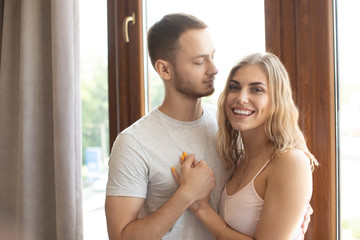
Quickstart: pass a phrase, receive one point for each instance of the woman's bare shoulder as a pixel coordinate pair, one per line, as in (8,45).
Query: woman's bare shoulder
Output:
(291,163)
(292,157)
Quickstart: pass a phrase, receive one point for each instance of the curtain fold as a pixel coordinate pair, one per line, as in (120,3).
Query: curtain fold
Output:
(40,120)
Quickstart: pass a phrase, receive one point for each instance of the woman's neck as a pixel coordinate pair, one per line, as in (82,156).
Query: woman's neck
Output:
(256,143)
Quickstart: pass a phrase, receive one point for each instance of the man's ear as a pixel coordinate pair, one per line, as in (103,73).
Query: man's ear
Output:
(163,68)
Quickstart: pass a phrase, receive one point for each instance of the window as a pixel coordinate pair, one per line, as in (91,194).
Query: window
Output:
(300,33)
(95,126)
(237,28)
(349,116)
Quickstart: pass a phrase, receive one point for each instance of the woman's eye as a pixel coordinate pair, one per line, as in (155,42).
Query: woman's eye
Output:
(257,90)
(233,87)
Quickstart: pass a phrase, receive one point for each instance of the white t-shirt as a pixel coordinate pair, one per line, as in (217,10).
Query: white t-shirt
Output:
(142,157)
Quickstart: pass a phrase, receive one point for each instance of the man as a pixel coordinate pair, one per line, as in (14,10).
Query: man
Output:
(143,201)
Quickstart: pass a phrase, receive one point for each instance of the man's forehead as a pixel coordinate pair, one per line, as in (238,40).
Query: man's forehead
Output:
(195,35)
(196,42)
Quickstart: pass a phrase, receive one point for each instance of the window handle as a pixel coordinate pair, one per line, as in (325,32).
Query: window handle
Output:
(126,27)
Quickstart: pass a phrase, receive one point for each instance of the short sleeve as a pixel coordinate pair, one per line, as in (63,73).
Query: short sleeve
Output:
(128,168)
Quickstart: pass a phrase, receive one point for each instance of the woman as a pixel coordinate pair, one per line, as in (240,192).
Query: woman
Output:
(259,136)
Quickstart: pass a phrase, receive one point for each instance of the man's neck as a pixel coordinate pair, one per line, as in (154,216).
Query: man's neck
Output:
(187,110)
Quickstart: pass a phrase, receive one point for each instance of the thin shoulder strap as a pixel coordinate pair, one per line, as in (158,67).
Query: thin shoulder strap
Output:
(263,167)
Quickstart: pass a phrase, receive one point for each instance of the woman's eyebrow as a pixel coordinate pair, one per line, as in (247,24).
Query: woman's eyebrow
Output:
(257,83)
(250,84)
(234,81)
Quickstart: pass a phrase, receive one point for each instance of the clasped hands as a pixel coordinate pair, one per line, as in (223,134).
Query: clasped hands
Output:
(196,179)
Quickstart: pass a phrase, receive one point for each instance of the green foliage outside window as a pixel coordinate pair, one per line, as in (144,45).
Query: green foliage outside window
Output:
(94,96)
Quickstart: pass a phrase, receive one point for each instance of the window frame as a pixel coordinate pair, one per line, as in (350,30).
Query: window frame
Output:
(125,66)
(301,33)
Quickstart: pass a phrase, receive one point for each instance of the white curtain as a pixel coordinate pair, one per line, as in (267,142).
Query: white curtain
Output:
(40,120)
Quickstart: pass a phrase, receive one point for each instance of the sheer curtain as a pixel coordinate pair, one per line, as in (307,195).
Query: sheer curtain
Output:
(40,120)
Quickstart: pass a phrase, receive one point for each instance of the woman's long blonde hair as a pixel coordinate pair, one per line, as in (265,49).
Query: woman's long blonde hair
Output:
(281,128)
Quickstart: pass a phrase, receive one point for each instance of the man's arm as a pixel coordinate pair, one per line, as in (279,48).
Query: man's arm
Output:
(122,217)
(122,212)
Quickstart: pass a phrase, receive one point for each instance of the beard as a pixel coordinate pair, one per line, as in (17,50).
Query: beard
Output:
(191,90)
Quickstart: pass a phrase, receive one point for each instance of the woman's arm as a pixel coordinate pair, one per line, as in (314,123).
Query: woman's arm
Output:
(210,219)
(216,224)
(288,191)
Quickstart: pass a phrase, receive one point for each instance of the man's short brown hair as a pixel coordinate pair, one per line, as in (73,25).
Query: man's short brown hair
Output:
(163,36)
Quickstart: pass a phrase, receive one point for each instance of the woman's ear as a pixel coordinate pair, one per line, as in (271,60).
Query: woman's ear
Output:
(163,68)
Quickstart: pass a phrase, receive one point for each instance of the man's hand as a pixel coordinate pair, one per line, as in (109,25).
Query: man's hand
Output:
(305,224)
(197,178)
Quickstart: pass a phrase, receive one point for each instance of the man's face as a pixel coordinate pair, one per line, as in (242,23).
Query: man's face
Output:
(195,70)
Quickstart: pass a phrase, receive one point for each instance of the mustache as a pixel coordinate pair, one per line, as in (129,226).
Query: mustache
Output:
(210,78)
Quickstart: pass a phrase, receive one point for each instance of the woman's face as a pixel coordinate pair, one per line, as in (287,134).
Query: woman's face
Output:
(248,102)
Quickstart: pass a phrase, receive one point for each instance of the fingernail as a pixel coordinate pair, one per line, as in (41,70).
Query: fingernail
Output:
(185,154)
(182,157)
(173,169)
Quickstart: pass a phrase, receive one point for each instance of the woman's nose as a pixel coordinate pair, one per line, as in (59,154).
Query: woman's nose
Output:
(243,97)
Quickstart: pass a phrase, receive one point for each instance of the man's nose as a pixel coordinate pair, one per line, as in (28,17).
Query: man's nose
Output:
(211,69)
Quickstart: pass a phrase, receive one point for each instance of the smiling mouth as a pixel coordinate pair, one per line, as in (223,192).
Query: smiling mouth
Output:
(243,112)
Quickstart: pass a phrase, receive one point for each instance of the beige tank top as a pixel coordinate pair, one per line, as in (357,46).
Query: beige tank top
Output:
(242,210)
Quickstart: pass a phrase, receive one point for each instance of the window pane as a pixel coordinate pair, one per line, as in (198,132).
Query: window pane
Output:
(95,126)
(237,28)
(348,20)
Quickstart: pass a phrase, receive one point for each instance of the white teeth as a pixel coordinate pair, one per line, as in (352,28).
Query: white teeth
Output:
(242,112)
